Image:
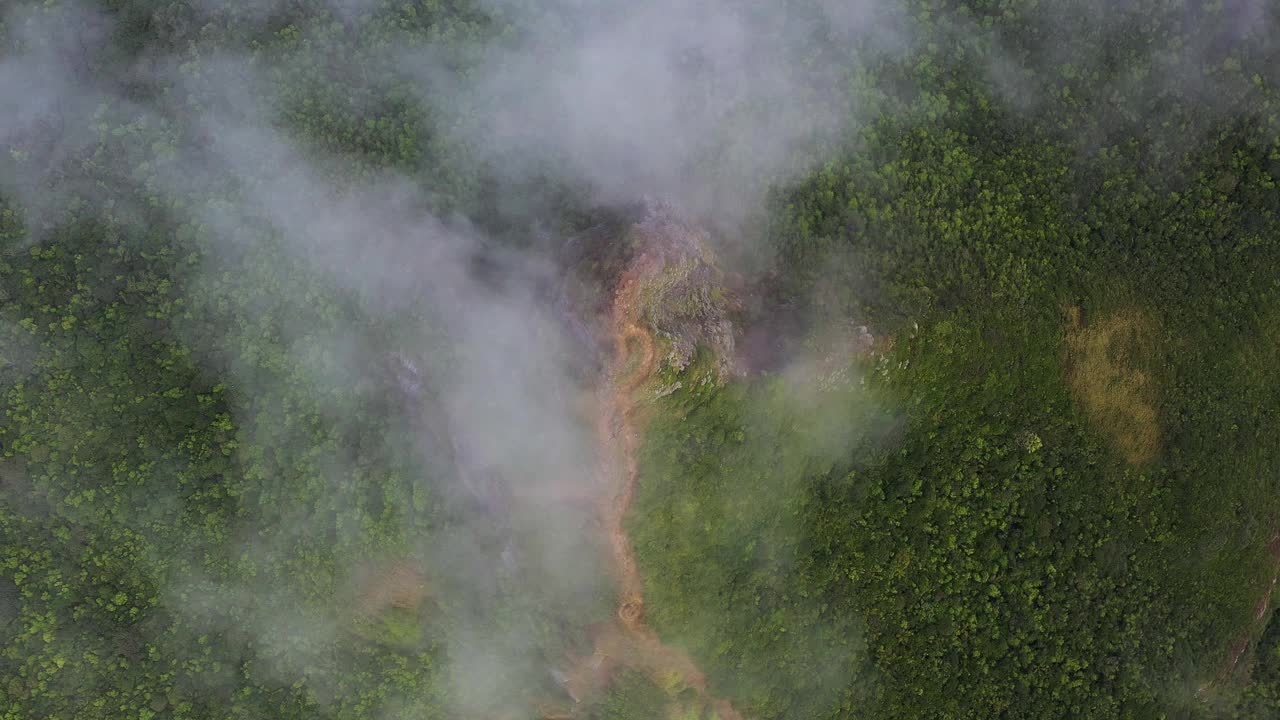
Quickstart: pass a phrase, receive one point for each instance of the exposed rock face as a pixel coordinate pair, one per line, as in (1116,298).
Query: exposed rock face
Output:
(865,340)
(683,295)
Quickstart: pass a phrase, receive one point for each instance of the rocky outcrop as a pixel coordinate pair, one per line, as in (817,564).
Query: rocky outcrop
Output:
(681,293)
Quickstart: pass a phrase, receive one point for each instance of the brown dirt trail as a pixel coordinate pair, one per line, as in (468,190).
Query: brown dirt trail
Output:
(629,642)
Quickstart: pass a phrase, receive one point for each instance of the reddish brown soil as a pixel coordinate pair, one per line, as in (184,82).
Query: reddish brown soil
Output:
(628,642)
(399,585)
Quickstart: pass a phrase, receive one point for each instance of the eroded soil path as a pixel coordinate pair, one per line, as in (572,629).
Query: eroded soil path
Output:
(1256,627)
(628,641)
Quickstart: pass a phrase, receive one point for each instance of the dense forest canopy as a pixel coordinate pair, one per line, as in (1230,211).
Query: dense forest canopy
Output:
(954,329)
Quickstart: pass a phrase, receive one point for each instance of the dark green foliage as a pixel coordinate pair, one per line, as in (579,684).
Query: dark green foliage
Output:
(1261,695)
(1002,558)
(186,494)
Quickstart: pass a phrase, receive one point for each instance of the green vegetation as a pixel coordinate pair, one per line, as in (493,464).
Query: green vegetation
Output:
(724,495)
(1054,493)
(1072,517)
(632,697)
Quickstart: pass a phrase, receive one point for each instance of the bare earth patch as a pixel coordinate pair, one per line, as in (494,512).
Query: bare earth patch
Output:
(1105,360)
